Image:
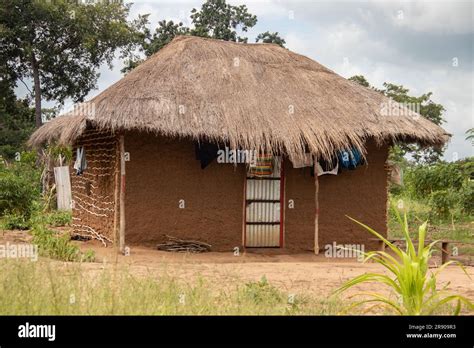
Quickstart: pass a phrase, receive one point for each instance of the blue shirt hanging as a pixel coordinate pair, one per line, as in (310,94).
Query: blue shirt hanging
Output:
(349,159)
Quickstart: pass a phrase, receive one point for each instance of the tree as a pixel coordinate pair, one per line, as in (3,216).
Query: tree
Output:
(164,33)
(268,37)
(219,20)
(426,108)
(360,79)
(61,44)
(17,121)
(216,19)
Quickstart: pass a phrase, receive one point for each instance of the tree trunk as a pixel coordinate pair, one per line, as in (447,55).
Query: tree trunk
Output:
(37,86)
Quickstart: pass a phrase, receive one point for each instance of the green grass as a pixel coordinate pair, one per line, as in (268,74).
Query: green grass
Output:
(46,288)
(58,246)
(54,218)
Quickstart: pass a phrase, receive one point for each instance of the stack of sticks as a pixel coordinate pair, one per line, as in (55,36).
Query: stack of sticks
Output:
(180,245)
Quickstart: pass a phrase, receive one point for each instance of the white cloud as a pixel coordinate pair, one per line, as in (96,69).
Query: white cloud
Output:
(430,16)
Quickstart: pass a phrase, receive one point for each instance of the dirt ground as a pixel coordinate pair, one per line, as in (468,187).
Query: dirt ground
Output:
(292,273)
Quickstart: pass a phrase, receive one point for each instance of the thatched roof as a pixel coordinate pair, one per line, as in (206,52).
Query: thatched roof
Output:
(248,95)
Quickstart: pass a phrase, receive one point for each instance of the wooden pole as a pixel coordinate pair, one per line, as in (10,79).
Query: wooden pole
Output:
(316,212)
(122,196)
(117,192)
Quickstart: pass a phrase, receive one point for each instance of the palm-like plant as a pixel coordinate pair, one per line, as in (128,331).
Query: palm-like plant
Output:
(470,135)
(408,277)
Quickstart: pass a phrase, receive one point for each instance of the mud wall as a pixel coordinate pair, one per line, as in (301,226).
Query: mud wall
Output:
(93,199)
(167,192)
(359,193)
(299,208)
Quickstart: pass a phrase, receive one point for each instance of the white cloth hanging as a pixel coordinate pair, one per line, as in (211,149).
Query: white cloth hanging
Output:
(321,171)
(306,161)
(80,164)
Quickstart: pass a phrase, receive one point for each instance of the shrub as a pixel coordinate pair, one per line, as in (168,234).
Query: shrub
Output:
(262,291)
(416,289)
(422,180)
(56,246)
(57,218)
(19,190)
(467,198)
(446,188)
(15,222)
(443,202)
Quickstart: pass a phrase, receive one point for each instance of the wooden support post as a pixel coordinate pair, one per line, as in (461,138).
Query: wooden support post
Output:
(316,213)
(444,252)
(117,178)
(122,195)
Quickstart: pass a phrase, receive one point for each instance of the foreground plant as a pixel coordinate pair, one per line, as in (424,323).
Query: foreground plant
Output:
(409,278)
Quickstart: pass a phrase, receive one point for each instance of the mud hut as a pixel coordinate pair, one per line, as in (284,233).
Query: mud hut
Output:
(162,147)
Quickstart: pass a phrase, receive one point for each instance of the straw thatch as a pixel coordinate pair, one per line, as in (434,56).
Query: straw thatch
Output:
(63,129)
(248,95)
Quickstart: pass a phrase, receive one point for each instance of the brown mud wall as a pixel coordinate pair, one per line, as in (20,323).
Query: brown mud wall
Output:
(359,193)
(299,208)
(162,174)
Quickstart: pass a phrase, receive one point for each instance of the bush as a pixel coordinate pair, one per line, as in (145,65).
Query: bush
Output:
(56,218)
(422,180)
(467,198)
(56,246)
(443,203)
(446,188)
(19,190)
(15,222)
(262,291)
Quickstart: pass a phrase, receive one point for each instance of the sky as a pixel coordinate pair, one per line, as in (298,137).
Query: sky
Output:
(426,46)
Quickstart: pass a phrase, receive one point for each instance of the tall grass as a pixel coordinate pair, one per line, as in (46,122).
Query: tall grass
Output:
(46,288)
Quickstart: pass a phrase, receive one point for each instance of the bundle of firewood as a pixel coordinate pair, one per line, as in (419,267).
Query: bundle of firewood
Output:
(180,245)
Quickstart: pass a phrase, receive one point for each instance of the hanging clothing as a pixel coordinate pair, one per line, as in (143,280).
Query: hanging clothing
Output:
(80,164)
(327,167)
(277,163)
(206,153)
(262,167)
(350,159)
(306,161)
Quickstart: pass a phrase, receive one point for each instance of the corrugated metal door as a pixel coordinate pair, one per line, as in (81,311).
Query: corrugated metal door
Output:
(263,225)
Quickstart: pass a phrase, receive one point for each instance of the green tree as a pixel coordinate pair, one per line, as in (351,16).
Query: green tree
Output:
(17,121)
(61,44)
(164,33)
(268,37)
(427,108)
(360,79)
(219,20)
(216,19)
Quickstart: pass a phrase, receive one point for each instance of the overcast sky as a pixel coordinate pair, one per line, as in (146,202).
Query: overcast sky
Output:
(414,43)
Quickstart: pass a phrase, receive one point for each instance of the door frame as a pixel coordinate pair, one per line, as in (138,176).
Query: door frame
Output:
(282,208)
